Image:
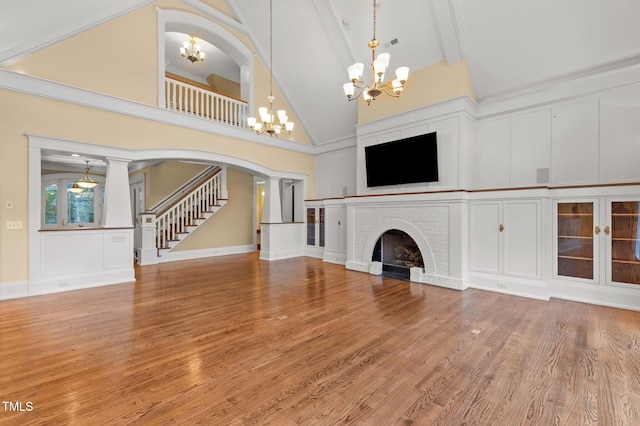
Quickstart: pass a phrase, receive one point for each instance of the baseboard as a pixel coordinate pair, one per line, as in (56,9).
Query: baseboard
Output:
(357,266)
(79,282)
(513,286)
(603,295)
(174,256)
(337,257)
(285,253)
(14,290)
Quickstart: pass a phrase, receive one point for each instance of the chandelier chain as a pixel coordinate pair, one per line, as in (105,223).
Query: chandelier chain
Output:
(268,123)
(374,19)
(271,48)
(378,65)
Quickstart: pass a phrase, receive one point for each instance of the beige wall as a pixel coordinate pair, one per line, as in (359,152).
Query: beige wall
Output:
(120,58)
(164,178)
(427,86)
(26,114)
(233,224)
(105,59)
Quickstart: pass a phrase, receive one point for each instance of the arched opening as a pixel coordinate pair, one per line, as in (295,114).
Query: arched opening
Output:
(398,253)
(228,67)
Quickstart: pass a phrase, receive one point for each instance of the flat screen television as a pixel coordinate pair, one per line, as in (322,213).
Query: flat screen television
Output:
(410,160)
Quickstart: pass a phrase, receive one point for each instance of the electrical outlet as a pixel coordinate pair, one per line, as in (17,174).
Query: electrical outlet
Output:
(14,225)
(502,285)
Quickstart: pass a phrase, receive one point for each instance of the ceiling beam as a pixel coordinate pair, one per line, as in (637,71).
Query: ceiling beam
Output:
(447,28)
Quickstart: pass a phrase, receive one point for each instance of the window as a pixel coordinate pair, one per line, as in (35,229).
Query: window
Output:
(65,209)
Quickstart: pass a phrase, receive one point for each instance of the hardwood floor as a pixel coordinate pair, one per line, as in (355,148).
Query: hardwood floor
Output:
(234,340)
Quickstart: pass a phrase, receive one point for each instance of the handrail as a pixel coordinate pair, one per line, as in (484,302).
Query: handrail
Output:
(188,210)
(192,100)
(184,195)
(200,85)
(175,196)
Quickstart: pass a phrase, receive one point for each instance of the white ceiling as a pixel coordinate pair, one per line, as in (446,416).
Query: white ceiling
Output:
(510,45)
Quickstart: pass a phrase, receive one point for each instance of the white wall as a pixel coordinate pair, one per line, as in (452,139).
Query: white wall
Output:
(588,139)
(452,122)
(336,173)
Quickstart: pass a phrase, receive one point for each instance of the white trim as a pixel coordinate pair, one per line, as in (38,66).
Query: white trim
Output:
(533,289)
(14,290)
(174,256)
(461,104)
(85,148)
(547,94)
(65,93)
(216,15)
(176,20)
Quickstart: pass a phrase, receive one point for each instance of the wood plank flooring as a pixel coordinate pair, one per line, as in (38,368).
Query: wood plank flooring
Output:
(234,340)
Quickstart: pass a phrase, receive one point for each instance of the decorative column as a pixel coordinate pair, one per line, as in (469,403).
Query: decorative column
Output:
(117,201)
(272,208)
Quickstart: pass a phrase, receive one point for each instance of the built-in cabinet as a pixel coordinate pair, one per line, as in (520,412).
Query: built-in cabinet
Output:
(506,237)
(598,240)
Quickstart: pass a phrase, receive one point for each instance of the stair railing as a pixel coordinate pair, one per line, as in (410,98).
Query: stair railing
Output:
(186,212)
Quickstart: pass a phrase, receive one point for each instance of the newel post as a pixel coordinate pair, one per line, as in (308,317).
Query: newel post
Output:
(147,254)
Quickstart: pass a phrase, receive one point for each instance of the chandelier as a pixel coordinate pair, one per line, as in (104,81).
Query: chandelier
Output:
(379,65)
(191,50)
(86,182)
(267,123)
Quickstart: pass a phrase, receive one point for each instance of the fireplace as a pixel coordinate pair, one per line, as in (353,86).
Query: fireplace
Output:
(398,253)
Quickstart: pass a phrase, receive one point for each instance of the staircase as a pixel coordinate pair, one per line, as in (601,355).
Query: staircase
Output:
(175,221)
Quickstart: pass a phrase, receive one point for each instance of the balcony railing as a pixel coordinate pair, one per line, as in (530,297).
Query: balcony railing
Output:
(193,100)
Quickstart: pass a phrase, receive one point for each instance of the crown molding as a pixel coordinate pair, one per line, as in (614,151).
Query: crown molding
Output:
(74,95)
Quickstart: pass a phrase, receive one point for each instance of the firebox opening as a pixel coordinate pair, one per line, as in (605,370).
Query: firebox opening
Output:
(398,253)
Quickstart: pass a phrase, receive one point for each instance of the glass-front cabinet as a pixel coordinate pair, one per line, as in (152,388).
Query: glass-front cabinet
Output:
(575,240)
(596,236)
(624,242)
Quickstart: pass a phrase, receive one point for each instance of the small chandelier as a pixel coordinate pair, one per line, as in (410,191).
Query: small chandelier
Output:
(191,50)
(86,182)
(378,67)
(75,188)
(267,122)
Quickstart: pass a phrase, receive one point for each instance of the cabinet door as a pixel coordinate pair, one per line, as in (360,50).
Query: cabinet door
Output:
(522,238)
(623,242)
(576,245)
(485,242)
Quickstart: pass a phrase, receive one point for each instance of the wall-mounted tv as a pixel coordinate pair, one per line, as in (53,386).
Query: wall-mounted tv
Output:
(410,160)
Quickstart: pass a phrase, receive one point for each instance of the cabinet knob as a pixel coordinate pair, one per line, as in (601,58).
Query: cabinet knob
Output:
(596,230)
(501,227)
(606,229)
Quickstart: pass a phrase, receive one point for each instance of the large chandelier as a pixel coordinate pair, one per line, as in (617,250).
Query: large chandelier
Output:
(191,50)
(267,123)
(378,67)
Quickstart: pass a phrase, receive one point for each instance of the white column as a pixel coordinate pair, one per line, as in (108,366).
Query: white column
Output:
(117,202)
(272,208)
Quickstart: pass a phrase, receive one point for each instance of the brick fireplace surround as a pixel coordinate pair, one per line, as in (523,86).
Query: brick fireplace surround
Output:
(437,225)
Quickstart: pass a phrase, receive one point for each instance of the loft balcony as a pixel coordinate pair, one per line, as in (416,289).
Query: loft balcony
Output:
(191,98)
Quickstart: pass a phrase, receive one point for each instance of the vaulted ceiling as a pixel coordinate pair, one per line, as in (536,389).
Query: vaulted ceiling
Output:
(509,45)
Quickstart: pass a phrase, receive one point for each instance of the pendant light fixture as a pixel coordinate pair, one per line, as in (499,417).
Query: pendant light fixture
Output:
(378,67)
(86,182)
(192,51)
(75,188)
(267,123)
